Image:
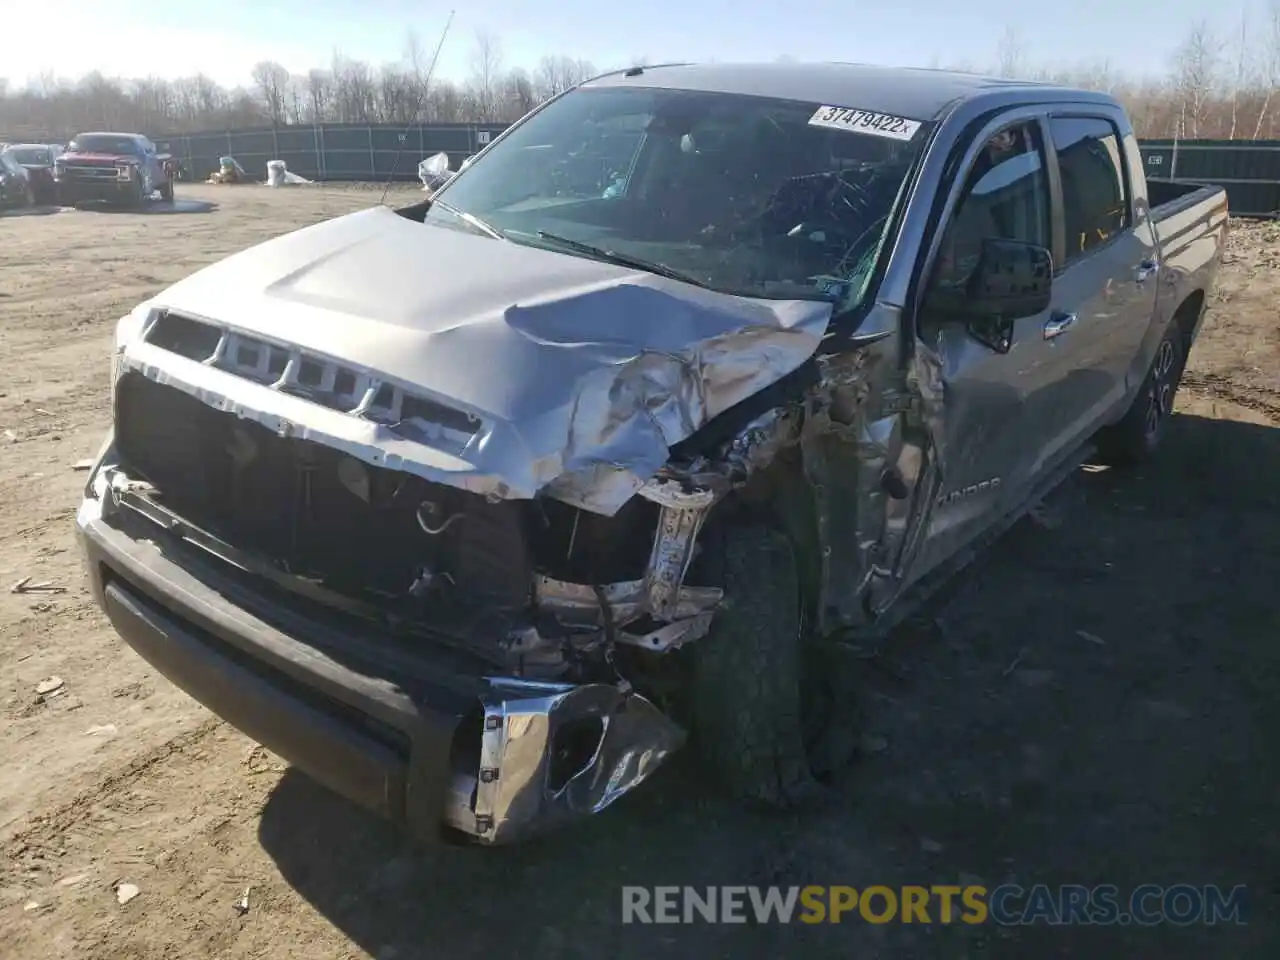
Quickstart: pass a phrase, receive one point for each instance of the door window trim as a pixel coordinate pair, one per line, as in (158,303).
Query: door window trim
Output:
(1061,264)
(944,209)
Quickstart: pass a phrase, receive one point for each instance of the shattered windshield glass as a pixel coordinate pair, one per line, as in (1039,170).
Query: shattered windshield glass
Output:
(742,194)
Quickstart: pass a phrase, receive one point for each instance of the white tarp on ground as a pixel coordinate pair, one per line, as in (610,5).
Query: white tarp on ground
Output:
(278,175)
(434,171)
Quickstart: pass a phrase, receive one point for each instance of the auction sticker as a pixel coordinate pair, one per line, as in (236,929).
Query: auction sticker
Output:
(865,121)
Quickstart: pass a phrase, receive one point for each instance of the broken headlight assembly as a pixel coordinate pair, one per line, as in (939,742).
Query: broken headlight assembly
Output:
(128,328)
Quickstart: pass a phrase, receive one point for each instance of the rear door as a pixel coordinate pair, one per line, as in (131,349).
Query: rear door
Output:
(1105,284)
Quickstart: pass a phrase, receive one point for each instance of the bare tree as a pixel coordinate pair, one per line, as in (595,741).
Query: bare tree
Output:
(1238,81)
(555,75)
(1269,65)
(319,94)
(1010,53)
(518,94)
(397,96)
(1196,64)
(272,82)
(353,90)
(486,74)
(1208,92)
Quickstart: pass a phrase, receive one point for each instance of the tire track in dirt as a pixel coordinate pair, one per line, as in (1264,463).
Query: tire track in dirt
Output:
(1264,400)
(44,829)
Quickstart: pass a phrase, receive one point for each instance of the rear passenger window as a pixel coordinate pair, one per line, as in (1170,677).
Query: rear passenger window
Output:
(1094,204)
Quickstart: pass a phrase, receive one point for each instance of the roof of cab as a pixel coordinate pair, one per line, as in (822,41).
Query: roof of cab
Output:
(912,92)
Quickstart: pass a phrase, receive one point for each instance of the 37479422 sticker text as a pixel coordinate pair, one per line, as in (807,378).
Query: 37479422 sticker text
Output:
(865,121)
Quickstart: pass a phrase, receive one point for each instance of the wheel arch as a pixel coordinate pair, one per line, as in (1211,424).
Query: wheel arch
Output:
(1185,318)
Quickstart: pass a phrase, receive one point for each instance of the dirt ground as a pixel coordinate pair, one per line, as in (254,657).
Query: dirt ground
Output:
(1095,703)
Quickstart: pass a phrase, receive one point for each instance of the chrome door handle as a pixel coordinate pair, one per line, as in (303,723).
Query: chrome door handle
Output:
(1145,269)
(1058,324)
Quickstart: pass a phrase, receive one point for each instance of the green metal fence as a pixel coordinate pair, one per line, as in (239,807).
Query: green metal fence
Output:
(331,151)
(1248,169)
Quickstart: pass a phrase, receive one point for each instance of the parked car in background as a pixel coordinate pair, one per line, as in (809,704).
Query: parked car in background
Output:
(37,159)
(470,509)
(15,183)
(122,168)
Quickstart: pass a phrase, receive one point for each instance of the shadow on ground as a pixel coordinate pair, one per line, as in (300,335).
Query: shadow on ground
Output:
(1095,703)
(154,208)
(38,211)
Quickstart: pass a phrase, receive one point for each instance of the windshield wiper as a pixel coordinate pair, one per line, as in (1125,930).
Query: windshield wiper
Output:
(471,219)
(622,259)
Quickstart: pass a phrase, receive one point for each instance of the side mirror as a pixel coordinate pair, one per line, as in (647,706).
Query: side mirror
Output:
(1012,280)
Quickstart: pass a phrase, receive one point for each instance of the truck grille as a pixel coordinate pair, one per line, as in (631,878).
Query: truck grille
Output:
(416,548)
(72,172)
(317,379)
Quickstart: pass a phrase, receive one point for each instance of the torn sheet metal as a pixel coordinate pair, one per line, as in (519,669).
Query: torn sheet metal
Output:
(552,753)
(688,612)
(918,467)
(578,603)
(591,372)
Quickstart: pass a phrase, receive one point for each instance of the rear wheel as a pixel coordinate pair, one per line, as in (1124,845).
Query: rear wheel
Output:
(1139,433)
(768,719)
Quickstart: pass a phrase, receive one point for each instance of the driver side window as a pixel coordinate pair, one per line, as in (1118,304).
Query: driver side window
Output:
(1005,197)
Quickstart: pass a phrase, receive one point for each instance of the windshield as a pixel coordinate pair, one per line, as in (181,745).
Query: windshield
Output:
(31,156)
(103,143)
(746,195)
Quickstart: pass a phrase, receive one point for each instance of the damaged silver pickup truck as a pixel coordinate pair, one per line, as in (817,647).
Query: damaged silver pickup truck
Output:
(472,509)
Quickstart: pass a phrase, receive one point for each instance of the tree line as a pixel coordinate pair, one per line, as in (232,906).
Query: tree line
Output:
(1216,87)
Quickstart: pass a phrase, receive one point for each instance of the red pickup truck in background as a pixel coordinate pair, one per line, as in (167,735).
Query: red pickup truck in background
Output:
(120,168)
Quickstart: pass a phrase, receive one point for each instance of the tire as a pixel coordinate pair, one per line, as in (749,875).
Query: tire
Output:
(751,692)
(1138,434)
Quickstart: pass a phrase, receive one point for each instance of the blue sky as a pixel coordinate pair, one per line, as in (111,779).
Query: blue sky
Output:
(223,38)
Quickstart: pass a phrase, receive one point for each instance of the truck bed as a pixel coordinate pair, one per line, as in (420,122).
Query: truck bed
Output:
(1185,212)
(1178,207)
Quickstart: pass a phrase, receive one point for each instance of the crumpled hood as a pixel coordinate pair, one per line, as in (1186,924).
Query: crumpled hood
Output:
(582,372)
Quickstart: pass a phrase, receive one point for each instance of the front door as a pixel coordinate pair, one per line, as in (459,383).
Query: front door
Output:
(998,418)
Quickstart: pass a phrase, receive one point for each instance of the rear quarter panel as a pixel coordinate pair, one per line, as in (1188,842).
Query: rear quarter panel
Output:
(1191,232)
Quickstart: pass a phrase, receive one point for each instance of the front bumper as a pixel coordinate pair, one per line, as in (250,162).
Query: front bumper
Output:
(416,736)
(71,191)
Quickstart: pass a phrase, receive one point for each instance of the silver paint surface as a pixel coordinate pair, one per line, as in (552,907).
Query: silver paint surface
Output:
(582,374)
